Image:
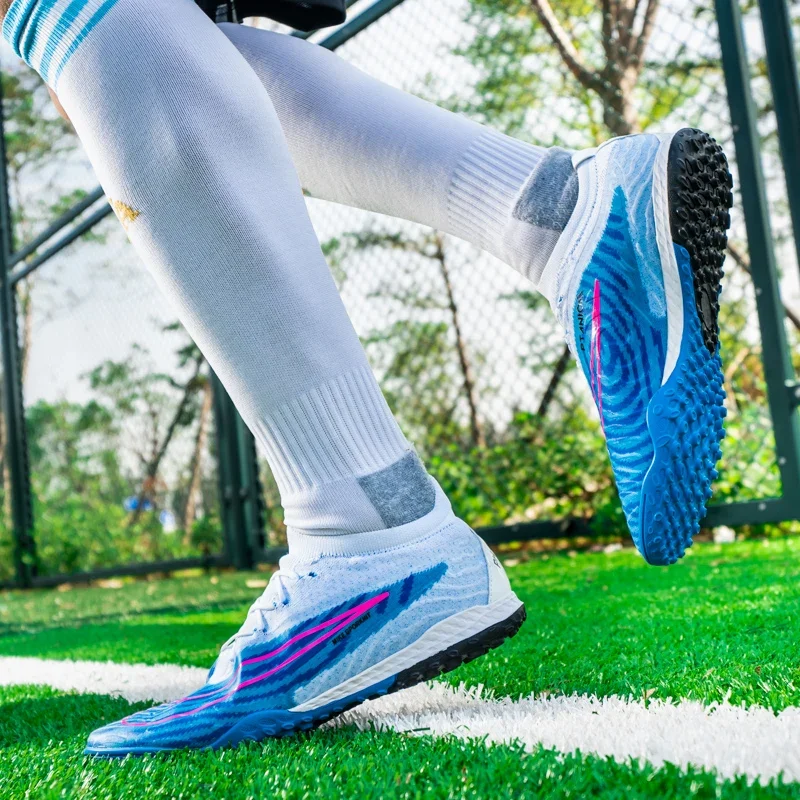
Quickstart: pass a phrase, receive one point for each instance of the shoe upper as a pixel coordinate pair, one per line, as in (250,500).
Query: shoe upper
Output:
(320,622)
(612,301)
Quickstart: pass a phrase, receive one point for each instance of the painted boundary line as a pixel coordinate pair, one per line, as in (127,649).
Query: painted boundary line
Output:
(729,740)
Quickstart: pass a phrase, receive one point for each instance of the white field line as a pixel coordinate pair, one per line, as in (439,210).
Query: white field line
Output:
(730,740)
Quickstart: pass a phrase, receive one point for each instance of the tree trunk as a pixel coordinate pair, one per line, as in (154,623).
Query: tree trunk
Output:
(159,451)
(26,307)
(559,370)
(624,48)
(476,428)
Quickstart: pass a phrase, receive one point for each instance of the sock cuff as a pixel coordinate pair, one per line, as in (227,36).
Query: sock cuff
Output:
(485,186)
(305,545)
(46,33)
(341,429)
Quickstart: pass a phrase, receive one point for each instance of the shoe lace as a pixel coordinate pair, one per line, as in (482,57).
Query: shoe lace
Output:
(274,596)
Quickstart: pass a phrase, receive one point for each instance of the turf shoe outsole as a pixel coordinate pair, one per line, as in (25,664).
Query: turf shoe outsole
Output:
(686,415)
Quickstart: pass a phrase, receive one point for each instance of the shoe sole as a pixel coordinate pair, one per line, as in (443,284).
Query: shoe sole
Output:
(685,415)
(279,723)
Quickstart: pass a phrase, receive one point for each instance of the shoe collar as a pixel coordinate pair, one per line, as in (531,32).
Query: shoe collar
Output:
(308,545)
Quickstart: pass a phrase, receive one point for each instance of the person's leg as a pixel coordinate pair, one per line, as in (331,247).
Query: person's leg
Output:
(357,141)
(190,153)
(188,147)
(626,242)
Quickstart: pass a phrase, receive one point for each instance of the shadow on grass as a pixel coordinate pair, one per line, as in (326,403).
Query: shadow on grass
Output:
(36,715)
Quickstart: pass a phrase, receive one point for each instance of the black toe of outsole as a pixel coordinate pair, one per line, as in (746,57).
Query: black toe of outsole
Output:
(700,198)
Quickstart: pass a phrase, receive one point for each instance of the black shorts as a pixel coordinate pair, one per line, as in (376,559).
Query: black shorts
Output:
(305,15)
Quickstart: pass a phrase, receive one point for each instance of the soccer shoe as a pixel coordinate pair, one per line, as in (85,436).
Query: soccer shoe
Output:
(332,631)
(635,280)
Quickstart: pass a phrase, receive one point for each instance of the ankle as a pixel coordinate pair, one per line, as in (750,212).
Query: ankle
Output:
(513,199)
(485,187)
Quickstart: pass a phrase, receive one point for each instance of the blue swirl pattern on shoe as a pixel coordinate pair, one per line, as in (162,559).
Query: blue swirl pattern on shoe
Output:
(662,418)
(621,345)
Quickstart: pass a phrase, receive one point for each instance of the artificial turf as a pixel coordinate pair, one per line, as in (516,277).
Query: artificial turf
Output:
(723,624)
(42,734)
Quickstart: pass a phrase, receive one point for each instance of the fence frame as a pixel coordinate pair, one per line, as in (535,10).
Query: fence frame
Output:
(240,495)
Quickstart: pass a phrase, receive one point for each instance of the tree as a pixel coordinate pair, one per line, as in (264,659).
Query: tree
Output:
(198,455)
(159,406)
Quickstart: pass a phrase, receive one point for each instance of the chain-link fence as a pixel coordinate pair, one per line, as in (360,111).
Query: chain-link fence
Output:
(118,401)
(469,357)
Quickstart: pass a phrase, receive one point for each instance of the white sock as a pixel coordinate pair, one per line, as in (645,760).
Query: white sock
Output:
(360,142)
(187,145)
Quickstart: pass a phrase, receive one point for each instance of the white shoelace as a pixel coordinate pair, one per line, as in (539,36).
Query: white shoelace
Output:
(274,596)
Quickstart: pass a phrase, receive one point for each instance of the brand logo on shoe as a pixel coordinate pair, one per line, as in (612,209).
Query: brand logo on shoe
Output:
(581,320)
(595,366)
(347,631)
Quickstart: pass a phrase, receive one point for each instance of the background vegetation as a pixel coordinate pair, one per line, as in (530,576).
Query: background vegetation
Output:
(469,358)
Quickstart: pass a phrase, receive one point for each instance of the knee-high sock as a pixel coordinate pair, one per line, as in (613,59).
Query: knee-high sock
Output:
(187,145)
(357,141)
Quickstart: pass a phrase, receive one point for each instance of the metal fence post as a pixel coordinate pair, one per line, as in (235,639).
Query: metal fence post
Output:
(785,82)
(250,491)
(778,369)
(16,442)
(239,489)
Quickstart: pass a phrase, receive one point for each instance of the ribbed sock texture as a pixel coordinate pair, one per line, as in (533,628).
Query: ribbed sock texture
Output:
(360,142)
(189,150)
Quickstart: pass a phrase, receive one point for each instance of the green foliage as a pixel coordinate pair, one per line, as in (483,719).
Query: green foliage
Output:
(87,459)
(84,532)
(541,468)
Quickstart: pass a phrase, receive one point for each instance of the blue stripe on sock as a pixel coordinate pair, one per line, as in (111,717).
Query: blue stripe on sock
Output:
(19,9)
(27,22)
(16,22)
(87,29)
(64,24)
(35,28)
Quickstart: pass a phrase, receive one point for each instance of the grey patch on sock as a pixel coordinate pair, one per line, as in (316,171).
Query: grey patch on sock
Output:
(551,193)
(402,492)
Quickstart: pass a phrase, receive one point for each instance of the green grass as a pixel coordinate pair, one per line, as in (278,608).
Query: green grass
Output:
(722,624)
(42,734)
